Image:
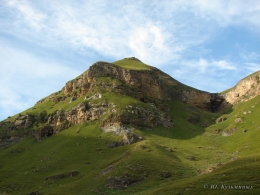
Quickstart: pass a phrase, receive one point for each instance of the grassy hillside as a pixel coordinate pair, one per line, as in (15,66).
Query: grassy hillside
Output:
(236,177)
(195,150)
(192,157)
(25,165)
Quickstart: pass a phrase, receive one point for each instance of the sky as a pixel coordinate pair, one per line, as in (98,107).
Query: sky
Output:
(207,44)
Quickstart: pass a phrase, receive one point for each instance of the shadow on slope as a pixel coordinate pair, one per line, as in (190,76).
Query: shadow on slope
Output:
(189,121)
(48,166)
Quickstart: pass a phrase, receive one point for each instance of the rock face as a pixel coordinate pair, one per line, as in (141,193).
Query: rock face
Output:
(245,90)
(141,84)
(81,112)
(150,86)
(138,117)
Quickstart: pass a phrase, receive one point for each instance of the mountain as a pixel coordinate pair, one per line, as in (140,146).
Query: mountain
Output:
(128,128)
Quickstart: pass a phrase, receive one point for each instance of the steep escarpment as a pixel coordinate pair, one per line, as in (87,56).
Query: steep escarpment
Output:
(140,84)
(143,83)
(88,98)
(245,90)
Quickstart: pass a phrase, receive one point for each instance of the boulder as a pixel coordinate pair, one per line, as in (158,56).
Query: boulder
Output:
(120,182)
(18,123)
(73,173)
(228,132)
(238,120)
(222,119)
(128,138)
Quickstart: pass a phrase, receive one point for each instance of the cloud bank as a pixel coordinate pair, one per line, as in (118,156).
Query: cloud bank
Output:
(207,44)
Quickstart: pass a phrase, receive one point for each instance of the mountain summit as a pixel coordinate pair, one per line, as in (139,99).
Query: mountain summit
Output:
(140,81)
(127,127)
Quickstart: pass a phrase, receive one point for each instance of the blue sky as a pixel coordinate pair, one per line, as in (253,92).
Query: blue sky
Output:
(207,44)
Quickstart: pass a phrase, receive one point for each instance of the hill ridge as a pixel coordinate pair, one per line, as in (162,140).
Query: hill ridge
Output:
(152,82)
(131,130)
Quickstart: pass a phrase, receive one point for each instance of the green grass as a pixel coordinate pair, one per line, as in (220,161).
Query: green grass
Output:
(25,165)
(132,64)
(242,172)
(187,151)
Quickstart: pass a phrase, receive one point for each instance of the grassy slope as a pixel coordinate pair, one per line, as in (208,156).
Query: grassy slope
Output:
(243,172)
(132,64)
(23,166)
(26,164)
(242,148)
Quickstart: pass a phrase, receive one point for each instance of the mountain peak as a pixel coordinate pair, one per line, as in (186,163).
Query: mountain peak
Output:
(132,58)
(132,63)
(108,121)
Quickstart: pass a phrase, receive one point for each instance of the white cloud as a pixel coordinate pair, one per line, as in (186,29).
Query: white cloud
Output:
(150,40)
(157,32)
(31,15)
(160,33)
(223,65)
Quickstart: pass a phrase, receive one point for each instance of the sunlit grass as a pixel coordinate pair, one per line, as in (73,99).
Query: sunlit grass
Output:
(132,64)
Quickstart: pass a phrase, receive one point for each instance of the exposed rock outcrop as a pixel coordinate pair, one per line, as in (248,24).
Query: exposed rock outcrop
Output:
(140,84)
(115,127)
(221,119)
(245,90)
(121,182)
(81,112)
(128,138)
(43,132)
(142,117)
(135,116)
(228,132)
(62,175)
(9,140)
(150,86)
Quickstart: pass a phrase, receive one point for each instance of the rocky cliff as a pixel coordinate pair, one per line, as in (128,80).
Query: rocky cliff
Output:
(152,87)
(149,86)
(245,90)
(140,84)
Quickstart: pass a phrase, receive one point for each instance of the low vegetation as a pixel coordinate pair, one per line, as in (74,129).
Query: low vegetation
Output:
(192,157)
(132,64)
